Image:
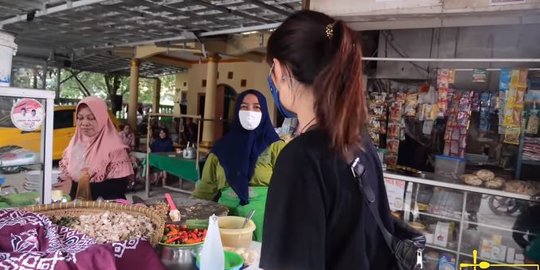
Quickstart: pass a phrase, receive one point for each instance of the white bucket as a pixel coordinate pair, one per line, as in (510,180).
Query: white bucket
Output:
(8,48)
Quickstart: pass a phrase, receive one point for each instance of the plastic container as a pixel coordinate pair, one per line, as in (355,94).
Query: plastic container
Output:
(212,256)
(450,167)
(233,261)
(232,236)
(8,48)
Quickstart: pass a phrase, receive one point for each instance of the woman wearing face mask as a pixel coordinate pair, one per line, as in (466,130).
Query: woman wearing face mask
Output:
(98,149)
(241,163)
(316,217)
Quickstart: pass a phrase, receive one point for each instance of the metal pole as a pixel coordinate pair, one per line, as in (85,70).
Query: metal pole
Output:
(44,78)
(489,69)
(466,60)
(147,181)
(241,30)
(133,92)
(58,83)
(47,150)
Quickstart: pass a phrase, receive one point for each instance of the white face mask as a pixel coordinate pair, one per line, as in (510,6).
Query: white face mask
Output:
(249,120)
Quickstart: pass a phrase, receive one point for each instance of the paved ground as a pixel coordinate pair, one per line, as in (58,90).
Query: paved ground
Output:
(17,181)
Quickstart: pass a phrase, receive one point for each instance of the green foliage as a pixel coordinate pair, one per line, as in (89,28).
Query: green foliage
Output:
(76,84)
(168,89)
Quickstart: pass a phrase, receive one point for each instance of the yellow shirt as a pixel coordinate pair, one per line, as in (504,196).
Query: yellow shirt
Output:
(213,177)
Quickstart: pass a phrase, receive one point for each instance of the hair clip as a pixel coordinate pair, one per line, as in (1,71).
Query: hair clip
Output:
(330,30)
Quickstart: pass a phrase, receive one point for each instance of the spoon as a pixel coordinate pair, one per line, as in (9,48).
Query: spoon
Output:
(174,214)
(248,218)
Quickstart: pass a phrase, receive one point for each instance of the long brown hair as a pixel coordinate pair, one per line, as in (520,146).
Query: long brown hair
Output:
(326,54)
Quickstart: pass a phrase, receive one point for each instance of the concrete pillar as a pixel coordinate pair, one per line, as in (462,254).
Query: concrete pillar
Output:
(156,96)
(210,100)
(133,93)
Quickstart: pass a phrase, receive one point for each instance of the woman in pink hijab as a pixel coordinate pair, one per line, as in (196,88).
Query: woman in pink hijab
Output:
(97,148)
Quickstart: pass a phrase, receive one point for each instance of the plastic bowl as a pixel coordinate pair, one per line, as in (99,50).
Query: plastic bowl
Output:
(233,237)
(233,260)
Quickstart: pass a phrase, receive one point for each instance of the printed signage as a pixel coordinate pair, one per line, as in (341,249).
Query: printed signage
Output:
(27,114)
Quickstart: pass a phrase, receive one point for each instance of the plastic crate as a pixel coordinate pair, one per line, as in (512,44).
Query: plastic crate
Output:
(450,167)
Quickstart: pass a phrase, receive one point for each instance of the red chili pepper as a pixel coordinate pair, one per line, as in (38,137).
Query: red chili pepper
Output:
(192,241)
(172,239)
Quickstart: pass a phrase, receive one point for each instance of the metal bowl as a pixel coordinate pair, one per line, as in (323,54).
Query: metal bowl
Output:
(179,258)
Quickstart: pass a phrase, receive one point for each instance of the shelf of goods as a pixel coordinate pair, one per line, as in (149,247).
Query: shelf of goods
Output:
(529,142)
(26,145)
(458,218)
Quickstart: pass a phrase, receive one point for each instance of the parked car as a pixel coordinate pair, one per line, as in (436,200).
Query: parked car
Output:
(15,143)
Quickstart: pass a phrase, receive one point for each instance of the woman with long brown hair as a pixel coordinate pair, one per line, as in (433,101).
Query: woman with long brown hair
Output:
(316,217)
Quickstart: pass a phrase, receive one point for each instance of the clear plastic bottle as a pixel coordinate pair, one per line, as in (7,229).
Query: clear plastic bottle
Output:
(83,189)
(212,254)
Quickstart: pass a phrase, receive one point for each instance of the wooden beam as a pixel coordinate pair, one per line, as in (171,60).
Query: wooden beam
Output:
(170,61)
(239,45)
(124,52)
(146,51)
(253,57)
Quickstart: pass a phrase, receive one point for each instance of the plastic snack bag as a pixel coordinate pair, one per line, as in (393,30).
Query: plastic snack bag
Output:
(511,135)
(534,121)
(411,104)
(504,79)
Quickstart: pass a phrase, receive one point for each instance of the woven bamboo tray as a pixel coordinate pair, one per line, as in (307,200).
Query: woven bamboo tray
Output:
(74,209)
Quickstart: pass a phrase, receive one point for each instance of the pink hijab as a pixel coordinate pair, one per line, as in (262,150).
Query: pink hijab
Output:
(105,155)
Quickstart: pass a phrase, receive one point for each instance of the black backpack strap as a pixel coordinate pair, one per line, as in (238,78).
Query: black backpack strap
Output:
(358,171)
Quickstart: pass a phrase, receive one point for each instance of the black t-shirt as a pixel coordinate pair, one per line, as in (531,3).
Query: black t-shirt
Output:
(315,214)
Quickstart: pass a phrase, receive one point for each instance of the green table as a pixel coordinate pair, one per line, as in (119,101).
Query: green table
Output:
(175,164)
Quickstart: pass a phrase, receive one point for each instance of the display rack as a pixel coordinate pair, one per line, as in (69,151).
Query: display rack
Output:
(483,227)
(520,161)
(46,156)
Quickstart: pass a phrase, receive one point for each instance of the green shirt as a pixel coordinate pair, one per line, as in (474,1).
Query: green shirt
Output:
(213,176)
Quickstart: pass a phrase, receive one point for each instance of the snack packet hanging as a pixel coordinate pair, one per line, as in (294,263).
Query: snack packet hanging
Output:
(511,135)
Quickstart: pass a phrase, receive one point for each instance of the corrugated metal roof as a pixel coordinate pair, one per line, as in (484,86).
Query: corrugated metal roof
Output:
(71,29)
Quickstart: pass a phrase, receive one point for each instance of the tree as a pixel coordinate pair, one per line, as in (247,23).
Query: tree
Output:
(168,89)
(78,84)
(115,83)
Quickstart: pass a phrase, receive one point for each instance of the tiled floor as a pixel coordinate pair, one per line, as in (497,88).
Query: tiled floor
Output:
(159,192)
